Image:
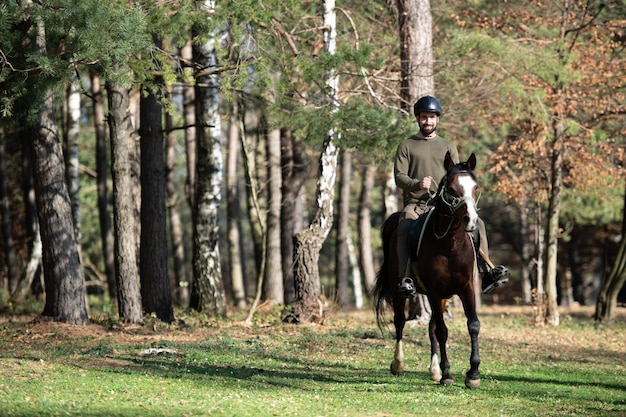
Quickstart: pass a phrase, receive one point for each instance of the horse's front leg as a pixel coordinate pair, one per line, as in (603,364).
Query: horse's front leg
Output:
(441,333)
(472,377)
(435,370)
(399,319)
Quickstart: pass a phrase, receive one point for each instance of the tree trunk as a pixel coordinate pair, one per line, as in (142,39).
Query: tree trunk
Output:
(294,165)
(207,295)
(365,229)
(63,275)
(607,298)
(125,247)
(71,160)
(357,281)
(259,203)
(416,56)
(102,167)
(9,251)
(308,307)
(525,238)
(181,293)
(236,260)
(273,267)
(189,114)
(342,261)
(31,279)
(156,293)
(417,80)
(552,228)
(540,306)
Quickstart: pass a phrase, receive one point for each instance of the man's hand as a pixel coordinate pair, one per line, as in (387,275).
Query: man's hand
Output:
(425,183)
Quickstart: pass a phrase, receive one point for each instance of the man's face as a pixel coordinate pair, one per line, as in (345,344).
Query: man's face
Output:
(427,122)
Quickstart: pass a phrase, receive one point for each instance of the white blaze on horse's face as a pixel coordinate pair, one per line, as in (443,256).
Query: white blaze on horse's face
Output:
(468,184)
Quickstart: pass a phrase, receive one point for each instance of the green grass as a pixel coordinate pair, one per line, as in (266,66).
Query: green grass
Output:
(220,368)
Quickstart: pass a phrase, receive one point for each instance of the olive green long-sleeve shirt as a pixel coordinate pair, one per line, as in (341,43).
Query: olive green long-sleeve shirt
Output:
(417,158)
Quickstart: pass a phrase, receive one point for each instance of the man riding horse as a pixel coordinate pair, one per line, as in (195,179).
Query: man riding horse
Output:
(417,169)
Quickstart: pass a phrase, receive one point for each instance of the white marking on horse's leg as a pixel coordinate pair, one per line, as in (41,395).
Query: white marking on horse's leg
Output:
(435,370)
(397,366)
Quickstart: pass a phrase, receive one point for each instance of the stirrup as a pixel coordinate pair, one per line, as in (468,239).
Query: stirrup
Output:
(494,278)
(407,287)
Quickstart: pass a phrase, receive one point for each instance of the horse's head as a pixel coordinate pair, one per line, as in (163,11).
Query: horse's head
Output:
(459,192)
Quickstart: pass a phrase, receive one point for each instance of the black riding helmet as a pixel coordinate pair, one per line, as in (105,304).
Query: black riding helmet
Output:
(427,104)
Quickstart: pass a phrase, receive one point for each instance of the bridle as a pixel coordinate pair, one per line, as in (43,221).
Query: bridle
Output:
(453,202)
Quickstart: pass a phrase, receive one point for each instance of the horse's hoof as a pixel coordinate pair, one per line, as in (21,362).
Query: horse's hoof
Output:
(447,381)
(472,383)
(435,377)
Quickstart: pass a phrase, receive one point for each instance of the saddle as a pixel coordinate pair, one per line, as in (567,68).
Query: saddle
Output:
(416,231)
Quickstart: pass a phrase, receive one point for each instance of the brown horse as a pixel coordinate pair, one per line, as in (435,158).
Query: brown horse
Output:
(443,264)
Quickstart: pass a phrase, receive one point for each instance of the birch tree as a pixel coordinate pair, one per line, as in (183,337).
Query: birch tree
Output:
(308,306)
(207,295)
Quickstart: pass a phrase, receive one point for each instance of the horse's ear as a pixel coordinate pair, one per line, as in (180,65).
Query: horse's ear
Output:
(471,162)
(448,162)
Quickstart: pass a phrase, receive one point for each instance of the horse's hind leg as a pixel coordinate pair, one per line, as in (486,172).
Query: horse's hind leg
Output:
(472,377)
(399,319)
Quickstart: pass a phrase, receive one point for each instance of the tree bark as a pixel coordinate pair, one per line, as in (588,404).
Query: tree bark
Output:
(156,293)
(31,279)
(102,167)
(7,238)
(525,238)
(294,165)
(273,267)
(236,260)
(365,228)
(207,295)
(181,293)
(342,261)
(607,298)
(63,274)
(125,247)
(416,57)
(552,228)
(189,115)
(308,307)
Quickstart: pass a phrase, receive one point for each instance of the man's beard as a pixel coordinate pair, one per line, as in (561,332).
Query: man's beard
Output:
(427,131)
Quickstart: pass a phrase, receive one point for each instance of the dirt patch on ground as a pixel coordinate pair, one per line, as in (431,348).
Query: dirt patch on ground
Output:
(33,329)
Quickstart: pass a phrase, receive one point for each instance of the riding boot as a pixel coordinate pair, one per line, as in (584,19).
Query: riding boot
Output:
(406,284)
(492,278)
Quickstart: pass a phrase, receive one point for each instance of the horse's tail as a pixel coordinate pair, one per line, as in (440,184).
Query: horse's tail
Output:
(382,290)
